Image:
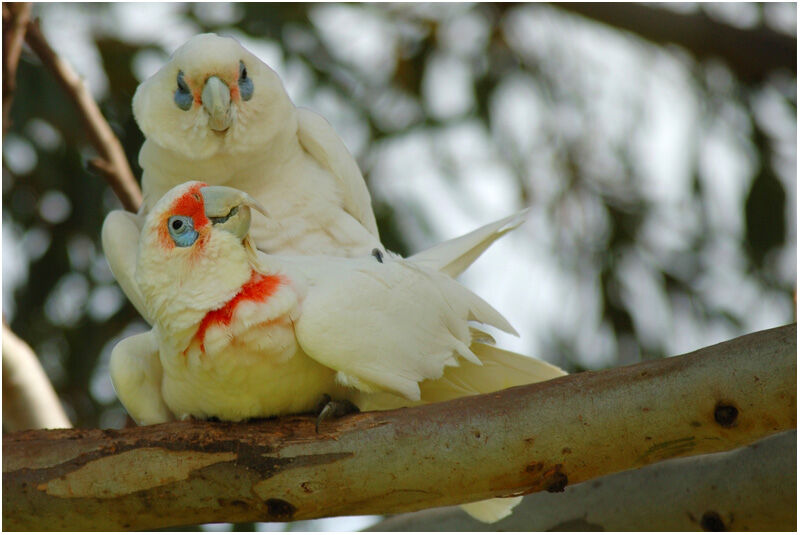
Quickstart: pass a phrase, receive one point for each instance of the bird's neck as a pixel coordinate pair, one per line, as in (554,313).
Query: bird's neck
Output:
(259,290)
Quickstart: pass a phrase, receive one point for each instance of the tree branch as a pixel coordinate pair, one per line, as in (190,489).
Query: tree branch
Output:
(15,19)
(753,54)
(113,163)
(29,401)
(753,488)
(517,441)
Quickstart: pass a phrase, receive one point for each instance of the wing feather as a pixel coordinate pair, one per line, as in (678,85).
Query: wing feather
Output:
(320,140)
(390,326)
(120,238)
(136,373)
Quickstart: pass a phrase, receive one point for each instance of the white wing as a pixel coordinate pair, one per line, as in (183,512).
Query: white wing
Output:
(320,140)
(120,238)
(388,326)
(136,373)
(454,256)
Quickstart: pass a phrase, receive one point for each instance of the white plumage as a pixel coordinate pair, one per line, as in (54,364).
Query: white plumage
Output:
(289,159)
(241,334)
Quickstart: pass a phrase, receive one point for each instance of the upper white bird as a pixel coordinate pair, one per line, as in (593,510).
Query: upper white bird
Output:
(241,334)
(216,110)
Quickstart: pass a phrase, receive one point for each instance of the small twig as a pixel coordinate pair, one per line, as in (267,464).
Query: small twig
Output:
(114,166)
(29,401)
(15,20)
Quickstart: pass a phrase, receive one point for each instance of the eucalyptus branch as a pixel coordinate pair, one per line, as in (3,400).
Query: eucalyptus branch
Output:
(517,441)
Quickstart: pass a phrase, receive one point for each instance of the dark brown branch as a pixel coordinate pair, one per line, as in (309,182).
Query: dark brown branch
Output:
(115,168)
(752,54)
(15,20)
(517,441)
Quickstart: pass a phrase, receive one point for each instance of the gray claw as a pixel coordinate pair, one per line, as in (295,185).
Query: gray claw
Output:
(328,409)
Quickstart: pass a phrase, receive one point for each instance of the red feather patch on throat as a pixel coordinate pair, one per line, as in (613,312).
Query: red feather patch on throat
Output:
(259,288)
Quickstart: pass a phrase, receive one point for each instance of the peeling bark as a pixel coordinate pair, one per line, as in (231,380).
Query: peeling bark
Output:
(517,441)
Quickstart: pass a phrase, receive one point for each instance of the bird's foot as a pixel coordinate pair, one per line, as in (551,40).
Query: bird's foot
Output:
(329,408)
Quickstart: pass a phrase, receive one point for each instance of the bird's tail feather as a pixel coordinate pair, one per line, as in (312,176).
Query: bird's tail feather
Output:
(491,510)
(454,256)
(501,369)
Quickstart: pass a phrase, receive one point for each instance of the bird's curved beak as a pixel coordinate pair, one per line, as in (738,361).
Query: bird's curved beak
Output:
(229,209)
(217,102)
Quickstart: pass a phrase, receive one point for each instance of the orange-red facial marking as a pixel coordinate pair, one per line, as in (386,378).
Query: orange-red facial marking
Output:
(259,288)
(189,204)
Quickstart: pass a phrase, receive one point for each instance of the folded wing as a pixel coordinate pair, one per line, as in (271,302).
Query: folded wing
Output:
(389,326)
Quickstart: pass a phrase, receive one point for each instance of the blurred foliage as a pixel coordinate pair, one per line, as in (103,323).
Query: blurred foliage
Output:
(67,307)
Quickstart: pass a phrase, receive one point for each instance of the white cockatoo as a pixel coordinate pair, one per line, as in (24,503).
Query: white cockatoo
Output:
(241,334)
(216,110)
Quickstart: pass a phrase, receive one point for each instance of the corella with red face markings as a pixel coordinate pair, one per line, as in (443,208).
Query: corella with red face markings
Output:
(240,334)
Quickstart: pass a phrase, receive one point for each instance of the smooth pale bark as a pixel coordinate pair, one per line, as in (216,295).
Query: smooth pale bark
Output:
(521,440)
(29,401)
(753,488)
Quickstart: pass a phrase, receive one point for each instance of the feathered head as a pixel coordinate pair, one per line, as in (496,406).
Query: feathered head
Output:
(213,96)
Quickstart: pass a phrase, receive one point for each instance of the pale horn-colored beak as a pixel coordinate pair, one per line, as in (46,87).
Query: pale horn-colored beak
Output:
(217,102)
(229,209)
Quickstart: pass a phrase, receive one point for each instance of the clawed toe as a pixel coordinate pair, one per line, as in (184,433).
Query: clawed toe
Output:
(328,408)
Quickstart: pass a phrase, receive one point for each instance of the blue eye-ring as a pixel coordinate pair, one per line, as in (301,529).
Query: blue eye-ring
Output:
(181,230)
(245,83)
(183,97)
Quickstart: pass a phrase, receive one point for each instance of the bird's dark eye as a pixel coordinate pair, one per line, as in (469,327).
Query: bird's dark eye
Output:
(245,83)
(181,230)
(183,97)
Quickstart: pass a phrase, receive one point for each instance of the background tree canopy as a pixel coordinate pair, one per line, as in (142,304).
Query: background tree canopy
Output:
(656,147)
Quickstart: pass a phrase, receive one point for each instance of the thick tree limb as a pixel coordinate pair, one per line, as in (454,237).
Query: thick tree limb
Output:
(29,401)
(112,164)
(753,488)
(16,16)
(521,440)
(753,54)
